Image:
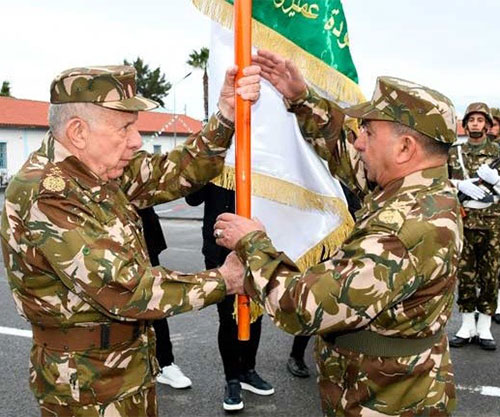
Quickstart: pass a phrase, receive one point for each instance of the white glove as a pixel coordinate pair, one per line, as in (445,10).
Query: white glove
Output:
(488,174)
(469,188)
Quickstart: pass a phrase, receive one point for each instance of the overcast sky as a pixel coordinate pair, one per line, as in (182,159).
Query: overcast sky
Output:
(449,45)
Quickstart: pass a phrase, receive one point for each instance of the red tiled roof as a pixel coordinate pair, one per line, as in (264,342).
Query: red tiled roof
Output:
(33,114)
(460,129)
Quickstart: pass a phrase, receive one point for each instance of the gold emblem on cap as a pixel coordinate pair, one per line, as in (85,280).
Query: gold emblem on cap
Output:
(391,216)
(54,183)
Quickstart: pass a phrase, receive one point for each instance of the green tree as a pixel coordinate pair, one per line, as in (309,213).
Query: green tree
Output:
(5,91)
(150,83)
(199,60)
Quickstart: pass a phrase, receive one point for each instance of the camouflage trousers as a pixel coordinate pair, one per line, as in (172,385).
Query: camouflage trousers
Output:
(142,404)
(352,384)
(478,271)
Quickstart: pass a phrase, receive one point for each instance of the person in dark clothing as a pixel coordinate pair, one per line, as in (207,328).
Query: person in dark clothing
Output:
(170,373)
(238,358)
(296,364)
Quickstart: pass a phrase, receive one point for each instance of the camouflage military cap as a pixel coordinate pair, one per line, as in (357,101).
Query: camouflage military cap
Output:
(495,113)
(420,108)
(477,108)
(110,86)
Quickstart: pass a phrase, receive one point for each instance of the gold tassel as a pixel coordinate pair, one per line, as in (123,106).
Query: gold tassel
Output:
(336,84)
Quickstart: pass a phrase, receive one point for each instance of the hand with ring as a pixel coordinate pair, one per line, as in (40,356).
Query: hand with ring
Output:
(230,228)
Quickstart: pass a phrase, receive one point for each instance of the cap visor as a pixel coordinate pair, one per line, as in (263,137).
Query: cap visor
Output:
(136,103)
(366,111)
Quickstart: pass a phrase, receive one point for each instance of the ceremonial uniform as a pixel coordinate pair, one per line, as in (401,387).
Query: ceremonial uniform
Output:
(381,303)
(478,268)
(78,267)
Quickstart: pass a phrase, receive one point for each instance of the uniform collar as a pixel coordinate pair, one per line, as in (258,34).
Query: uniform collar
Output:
(412,183)
(487,148)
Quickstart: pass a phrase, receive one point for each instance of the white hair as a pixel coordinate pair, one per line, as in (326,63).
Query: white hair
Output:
(61,114)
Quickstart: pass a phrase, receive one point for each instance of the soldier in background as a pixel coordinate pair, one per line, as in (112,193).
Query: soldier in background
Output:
(494,132)
(73,247)
(381,303)
(478,269)
(494,135)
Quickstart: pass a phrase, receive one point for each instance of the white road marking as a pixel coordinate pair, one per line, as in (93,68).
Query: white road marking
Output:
(11,331)
(483,390)
(16,332)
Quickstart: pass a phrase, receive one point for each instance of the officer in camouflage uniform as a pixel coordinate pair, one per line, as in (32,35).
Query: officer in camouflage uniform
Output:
(381,303)
(494,132)
(478,269)
(73,246)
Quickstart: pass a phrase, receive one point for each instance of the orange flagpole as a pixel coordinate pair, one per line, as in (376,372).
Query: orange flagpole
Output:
(243,58)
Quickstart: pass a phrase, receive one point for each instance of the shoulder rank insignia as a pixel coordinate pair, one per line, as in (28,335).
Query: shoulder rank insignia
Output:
(54,183)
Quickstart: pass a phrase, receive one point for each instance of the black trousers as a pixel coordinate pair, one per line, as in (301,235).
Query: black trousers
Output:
(299,346)
(237,356)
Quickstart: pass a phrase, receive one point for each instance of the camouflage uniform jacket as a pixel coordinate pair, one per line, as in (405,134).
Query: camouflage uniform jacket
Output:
(75,256)
(395,275)
(473,157)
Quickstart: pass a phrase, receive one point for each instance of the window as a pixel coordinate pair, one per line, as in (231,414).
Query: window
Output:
(3,155)
(157,149)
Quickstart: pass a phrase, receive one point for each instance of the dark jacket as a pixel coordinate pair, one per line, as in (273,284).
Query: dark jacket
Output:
(155,241)
(217,200)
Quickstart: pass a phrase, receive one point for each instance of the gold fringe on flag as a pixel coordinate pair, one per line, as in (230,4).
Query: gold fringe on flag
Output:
(326,247)
(294,195)
(284,192)
(336,84)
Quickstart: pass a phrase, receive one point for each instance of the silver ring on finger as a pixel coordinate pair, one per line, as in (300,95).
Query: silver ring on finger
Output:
(218,233)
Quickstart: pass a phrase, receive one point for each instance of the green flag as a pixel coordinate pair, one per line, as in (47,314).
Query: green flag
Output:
(313,34)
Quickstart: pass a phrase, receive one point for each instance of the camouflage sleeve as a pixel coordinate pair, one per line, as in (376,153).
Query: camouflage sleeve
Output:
(342,293)
(153,179)
(321,123)
(106,265)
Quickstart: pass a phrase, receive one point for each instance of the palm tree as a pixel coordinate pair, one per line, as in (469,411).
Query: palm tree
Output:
(5,90)
(199,60)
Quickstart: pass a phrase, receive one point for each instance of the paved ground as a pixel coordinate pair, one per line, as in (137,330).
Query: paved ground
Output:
(195,349)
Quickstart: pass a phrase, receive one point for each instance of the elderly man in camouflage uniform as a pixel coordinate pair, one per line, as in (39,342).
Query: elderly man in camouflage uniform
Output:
(381,303)
(74,249)
(478,270)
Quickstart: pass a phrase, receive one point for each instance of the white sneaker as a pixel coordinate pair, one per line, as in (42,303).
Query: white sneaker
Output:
(173,376)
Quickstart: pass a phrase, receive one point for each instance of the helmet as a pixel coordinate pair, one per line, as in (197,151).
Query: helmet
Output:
(477,108)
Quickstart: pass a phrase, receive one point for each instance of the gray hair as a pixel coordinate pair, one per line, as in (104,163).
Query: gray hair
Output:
(61,114)
(430,146)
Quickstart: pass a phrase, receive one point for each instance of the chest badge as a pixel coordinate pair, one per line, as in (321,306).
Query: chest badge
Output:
(54,183)
(391,217)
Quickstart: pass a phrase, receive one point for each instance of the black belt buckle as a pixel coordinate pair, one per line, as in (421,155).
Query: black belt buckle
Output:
(105,336)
